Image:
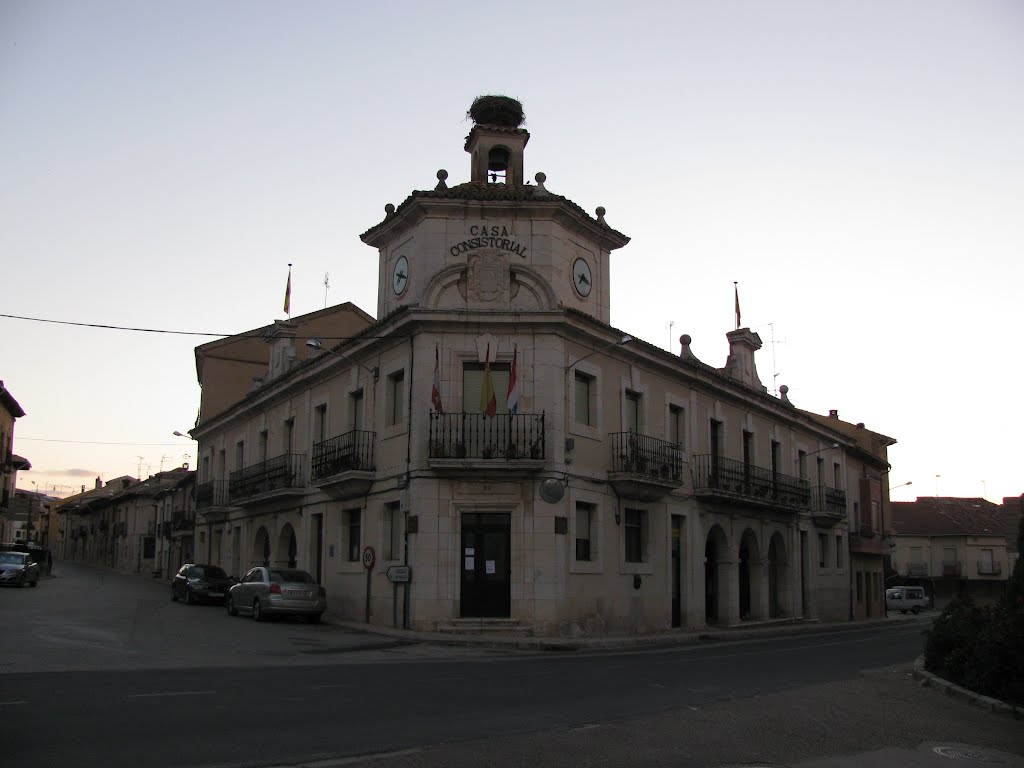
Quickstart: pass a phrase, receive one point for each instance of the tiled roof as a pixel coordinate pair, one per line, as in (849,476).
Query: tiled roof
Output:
(952,516)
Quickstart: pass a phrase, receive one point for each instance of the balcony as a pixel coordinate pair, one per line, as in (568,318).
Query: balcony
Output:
(828,505)
(644,468)
(509,443)
(211,494)
(343,466)
(989,569)
(951,569)
(730,481)
(917,569)
(268,481)
(182,523)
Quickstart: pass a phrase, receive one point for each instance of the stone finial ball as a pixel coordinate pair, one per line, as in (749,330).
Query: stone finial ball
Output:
(541,177)
(442,175)
(600,210)
(685,339)
(389,209)
(784,389)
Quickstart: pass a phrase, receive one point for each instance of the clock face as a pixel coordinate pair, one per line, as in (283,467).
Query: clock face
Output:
(581,277)
(400,275)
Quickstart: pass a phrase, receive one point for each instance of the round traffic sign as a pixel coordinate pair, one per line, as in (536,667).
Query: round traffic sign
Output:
(369,557)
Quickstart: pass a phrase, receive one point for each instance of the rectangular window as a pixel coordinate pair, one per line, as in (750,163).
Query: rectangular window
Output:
(860,586)
(801,464)
(822,550)
(748,450)
(395,399)
(585,530)
(320,423)
(837,475)
(776,450)
(916,555)
(821,471)
(949,555)
(715,438)
(205,475)
(289,434)
(264,441)
(356,409)
(473,386)
(240,454)
(856,514)
(632,413)
(839,551)
(352,533)
(675,425)
(392,531)
(584,393)
(635,525)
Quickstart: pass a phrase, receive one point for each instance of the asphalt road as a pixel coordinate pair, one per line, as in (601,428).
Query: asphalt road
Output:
(285,693)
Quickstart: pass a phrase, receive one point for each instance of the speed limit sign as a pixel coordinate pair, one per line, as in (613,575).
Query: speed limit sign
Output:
(369,558)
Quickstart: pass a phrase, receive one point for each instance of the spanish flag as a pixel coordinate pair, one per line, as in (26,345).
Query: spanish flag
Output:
(288,293)
(435,390)
(736,292)
(488,402)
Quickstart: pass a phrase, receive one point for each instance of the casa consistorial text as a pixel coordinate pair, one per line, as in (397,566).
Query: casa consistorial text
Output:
(488,236)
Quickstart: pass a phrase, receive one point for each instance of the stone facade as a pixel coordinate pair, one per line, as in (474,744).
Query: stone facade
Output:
(628,491)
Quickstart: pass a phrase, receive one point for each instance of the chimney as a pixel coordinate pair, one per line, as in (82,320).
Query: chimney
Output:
(99,484)
(833,414)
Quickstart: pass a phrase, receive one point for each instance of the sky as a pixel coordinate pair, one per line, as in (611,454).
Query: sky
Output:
(855,166)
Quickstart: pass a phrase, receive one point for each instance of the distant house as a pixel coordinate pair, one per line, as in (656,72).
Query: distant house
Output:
(10,463)
(954,546)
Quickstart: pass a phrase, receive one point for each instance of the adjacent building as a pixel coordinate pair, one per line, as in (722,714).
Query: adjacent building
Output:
(492,451)
(955,546)
(10,463)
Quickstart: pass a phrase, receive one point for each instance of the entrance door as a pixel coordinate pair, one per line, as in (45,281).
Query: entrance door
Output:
(486,565)
(677,608)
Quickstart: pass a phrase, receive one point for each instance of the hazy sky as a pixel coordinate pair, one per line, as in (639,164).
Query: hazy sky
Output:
(857,166)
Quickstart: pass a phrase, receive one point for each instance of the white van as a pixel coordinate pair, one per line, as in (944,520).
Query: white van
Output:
(905,599)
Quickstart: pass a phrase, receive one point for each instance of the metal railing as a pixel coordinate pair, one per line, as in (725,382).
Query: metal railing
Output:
(989,569)
(736,478)
(352,450)
(643,455)
(830,500)
(284,471)
(951,569)
(479,436)
(917,569)
(212,493)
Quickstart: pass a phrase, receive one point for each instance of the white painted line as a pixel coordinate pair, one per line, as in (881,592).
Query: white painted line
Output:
(11,703)
(336,685)
(170,693)
(331,763)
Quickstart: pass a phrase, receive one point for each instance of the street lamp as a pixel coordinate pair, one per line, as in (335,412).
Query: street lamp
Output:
(315,344)
(176,433)
(624,340)
(901,485)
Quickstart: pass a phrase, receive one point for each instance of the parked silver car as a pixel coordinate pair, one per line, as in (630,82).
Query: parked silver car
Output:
(265,592)
(19,569)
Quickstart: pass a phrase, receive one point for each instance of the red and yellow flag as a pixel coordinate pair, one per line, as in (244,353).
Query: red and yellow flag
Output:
(488,402)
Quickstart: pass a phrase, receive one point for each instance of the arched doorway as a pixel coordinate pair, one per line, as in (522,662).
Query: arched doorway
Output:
(286,543)
(776,573)
(715,598)
(750,577)
(261,548)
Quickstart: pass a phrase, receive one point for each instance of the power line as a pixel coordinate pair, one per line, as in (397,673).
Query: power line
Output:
(84,442)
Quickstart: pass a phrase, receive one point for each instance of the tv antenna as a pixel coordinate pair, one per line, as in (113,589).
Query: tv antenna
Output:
(670,324)
(327,284)
(138,469)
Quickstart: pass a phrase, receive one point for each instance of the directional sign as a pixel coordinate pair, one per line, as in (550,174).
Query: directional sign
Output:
(400,573)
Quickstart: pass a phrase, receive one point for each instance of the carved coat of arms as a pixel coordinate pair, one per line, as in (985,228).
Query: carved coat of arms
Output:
(488,277)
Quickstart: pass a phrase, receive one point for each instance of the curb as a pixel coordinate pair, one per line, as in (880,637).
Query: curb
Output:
(930,680)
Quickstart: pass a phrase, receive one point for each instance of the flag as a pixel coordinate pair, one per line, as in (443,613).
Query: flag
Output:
(488,402)
(512,400)
(435,392)
(288,293)
(737,291)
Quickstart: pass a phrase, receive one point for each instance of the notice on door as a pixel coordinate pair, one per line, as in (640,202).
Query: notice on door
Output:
(469,564)
(489,565)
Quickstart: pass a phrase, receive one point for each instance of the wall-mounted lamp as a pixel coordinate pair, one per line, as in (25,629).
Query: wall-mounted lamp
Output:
(618,516)
(623,340)
(176,433)
(901,485)
(315,344)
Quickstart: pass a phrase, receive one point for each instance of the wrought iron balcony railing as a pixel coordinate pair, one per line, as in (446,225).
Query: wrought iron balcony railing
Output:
(350,451)
(479,436)
(716,475)
(182,522)
(831,501)
(951,569)
(212,493)
(284,471)
(917,569)
(989,569)
(643,455)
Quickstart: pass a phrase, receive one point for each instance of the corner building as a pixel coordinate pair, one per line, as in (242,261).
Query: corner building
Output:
(492,439)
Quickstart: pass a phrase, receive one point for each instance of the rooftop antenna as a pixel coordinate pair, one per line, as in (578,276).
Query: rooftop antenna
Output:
(327,284)
(670,324)
(138,469)
(163,458)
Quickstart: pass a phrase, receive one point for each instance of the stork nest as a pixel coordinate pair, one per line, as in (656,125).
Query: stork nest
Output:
(502,111)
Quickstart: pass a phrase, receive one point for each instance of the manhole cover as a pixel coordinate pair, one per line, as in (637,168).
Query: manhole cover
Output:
(956,753)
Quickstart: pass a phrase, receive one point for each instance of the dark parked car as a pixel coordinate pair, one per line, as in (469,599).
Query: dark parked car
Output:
(39,554)
(198,583)
(18,569)
(267,592)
